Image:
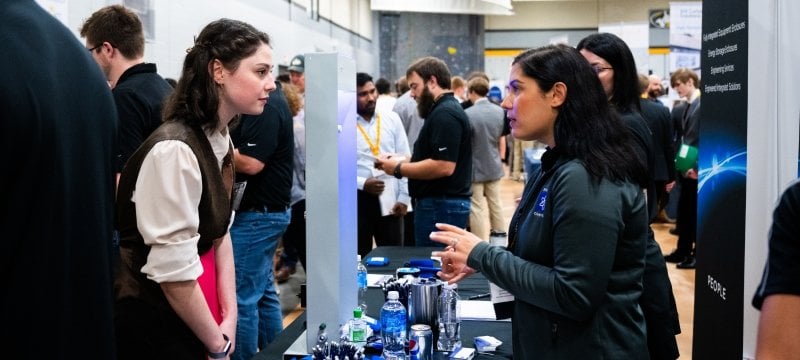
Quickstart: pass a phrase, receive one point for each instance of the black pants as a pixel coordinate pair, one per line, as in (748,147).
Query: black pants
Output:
(408,229)
(387,230)
(687,216)
(662,196)
(658,305)
(144,331)
(294,239)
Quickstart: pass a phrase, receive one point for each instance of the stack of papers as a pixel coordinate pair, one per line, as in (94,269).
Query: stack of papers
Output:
(477,310)
(487,343)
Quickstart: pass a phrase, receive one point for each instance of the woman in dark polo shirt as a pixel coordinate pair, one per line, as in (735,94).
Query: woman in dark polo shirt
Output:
(577,240)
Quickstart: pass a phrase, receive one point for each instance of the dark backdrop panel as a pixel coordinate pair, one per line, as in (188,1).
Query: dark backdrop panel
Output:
(719,285)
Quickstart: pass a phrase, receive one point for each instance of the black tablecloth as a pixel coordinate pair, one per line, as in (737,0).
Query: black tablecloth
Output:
(398,256)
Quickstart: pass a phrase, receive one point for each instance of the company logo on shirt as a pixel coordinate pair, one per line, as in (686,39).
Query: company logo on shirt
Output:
(443,148)
(541,202)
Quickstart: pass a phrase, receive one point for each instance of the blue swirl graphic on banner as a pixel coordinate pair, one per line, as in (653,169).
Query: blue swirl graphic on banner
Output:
(736,163)
(719,173)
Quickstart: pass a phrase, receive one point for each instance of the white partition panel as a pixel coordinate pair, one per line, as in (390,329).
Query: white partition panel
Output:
(773,128)
(330,115)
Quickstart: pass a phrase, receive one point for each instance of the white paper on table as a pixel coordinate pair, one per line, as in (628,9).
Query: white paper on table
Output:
(477,310)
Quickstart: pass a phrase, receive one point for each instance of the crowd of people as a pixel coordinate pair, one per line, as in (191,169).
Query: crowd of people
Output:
(209,177)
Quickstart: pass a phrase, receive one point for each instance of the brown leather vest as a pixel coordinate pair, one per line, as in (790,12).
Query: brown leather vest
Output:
(214,209)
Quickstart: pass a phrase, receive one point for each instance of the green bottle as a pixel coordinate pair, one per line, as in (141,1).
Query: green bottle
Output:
(358,328)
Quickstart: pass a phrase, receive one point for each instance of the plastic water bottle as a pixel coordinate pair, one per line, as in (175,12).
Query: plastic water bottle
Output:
(393,327)
(449,319)
(358,328)
(361,272)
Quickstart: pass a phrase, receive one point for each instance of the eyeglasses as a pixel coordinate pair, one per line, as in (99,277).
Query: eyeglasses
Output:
(94,48)
(598,69)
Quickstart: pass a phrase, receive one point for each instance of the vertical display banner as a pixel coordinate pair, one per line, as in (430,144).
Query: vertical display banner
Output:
(719,284)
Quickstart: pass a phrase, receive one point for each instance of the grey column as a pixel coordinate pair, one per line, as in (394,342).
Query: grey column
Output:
(330,115)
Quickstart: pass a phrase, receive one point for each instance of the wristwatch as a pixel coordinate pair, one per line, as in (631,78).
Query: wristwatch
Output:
(222,354)
(397,170)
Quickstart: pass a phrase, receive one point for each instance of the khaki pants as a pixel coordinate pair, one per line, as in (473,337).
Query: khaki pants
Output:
(486,210)
(516,157)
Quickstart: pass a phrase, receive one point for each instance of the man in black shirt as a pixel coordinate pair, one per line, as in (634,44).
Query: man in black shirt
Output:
(440,170)
(57,131)
(778,295)
(115,39)
(263,159)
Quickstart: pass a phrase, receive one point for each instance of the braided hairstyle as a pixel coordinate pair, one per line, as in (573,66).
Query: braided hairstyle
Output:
(195,100)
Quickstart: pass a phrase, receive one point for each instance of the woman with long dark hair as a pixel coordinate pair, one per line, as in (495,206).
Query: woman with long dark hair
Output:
(613,62)
(575,257)
(175,289)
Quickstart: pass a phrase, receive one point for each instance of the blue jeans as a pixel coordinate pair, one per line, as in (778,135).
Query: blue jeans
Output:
(255,236)
(431,210)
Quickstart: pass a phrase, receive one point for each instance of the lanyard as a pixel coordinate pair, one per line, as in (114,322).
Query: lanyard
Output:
(375,147)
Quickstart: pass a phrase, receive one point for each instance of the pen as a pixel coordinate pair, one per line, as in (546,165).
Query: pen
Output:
(473,297)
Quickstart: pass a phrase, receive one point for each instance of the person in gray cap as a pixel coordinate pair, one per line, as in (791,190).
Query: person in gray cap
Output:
(297,69)
(294,248)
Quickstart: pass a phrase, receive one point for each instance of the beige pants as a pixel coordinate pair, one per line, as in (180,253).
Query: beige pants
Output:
(486,210)
(516,157)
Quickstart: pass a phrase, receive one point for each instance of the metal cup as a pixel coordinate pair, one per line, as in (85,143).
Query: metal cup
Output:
(422,297)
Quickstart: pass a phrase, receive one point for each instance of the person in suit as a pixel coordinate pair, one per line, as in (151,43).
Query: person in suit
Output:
(686,82)
(671,210)
(658,120)
(58,131)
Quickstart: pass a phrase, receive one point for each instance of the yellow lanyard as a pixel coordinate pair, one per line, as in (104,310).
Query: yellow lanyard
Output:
(376,146)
